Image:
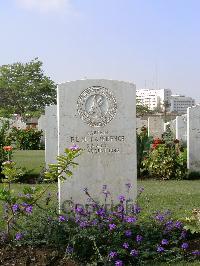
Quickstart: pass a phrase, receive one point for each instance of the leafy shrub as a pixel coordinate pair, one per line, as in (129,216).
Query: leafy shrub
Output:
(17,205)
(26,139)
(193,222)
(166,160)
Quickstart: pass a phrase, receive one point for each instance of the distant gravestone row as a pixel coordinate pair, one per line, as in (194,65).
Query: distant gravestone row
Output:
(181,128)
(193,138)
(155,127)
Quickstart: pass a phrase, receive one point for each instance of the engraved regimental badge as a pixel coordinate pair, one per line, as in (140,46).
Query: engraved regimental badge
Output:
(96,106)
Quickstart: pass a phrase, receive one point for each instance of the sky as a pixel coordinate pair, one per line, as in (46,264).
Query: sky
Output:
(153,43)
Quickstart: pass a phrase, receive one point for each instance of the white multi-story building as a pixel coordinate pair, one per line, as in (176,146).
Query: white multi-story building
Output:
(153,98)
(180,103)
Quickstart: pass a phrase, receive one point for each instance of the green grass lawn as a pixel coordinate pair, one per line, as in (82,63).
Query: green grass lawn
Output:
(178,196)
(32,160)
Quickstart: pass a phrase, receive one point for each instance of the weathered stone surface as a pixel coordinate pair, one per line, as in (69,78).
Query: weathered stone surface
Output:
(141,123)
(172,124)
(42,126)
(100,117)
(193,138)
(155,126)
(51,134)
(181,128)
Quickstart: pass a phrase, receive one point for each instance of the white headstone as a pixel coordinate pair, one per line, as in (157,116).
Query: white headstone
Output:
(193,138)
(42,126)
(181,128)
(100,117)
(51,135)
(18,123)
(172,124)
(155,126)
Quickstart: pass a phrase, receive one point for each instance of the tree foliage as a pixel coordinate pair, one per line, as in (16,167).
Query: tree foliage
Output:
(24,88)
(142,109)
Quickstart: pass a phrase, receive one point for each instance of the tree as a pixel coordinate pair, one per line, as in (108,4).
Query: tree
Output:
(24,89)
(142,109)
(166,106)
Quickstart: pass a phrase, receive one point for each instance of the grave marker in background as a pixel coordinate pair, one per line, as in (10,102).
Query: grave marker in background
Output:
(181,128)
(155,126)
(193,138)
(51,134)
(42,126)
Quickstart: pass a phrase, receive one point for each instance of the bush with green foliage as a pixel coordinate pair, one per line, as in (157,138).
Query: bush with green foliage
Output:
(26,139)
(192,223)
(22,204)
(143,147)
(166,160)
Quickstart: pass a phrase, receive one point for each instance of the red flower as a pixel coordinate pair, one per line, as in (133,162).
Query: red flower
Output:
(157,141)
(154,145)
(7,148)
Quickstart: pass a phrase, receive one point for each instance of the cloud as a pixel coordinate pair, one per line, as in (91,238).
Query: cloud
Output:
(43,5)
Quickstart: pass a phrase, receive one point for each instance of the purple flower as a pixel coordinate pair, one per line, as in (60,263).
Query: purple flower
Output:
(136,209)
(100,212)
(112,254)
(184,246)
(160,249)
(112,226)
(178,225)
(83,224)
(169,225)
(120,208)
(128,233)
(183,234)
(15,207)
(134,253)
(160,217)
(196,253)
(74,147)
(29,209)
(164,242)
(121,198)
(69,250)
(95,222)
(118,263)
(130,219)
(61,218)
(126,245)
(18,236)
(139,238)
(79,210)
